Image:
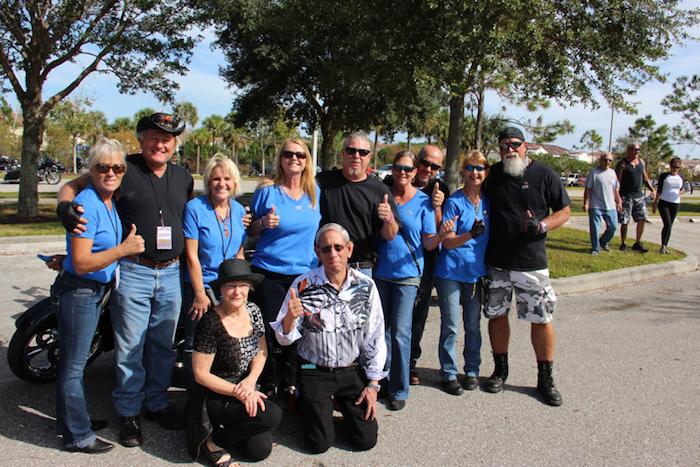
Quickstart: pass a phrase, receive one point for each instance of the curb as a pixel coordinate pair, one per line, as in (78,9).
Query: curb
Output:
(32,244)
(603,280)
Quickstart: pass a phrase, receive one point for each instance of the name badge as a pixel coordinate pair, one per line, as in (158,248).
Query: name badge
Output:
(164,237)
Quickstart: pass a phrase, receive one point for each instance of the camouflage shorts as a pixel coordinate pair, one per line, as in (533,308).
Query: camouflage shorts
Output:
(534,294)
(633,208)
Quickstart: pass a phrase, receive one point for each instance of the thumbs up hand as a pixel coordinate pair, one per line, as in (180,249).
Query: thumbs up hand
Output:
(294,310)
(384,210)
(270,220)
(133,244)
(438,196)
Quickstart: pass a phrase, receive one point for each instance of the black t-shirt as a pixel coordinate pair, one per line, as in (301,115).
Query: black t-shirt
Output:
(540,191)
(143,194)
(354,206)
(632,177)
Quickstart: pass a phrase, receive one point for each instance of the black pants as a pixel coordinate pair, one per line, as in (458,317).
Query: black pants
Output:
(237,430)
(422,305)
(316,407)
(280,367)
(668,213)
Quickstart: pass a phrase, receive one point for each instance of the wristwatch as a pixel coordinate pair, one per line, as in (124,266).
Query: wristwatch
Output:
(543,227)
(376,387)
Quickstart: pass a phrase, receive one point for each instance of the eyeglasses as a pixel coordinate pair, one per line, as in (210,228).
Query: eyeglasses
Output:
(472,168)
(510,145)
(351,151)
(327,248)
(116,168)
(432,166)
(404,168)
(290,154)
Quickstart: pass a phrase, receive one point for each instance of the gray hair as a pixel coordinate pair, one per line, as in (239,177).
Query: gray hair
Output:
(356,135)
(103,149)
(229,168)
(335,227)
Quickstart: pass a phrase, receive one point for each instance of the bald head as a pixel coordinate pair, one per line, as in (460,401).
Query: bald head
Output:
(430,161)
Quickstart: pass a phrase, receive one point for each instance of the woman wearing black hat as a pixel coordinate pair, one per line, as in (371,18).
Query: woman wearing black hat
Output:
(226,410)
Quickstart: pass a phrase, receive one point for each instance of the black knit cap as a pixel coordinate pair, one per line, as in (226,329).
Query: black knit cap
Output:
(510,132)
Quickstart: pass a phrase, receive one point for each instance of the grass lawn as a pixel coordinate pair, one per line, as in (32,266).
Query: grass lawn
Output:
(45,224)
(688,208)
(568,248)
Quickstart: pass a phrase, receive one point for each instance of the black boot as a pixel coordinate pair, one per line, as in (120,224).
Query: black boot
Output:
(545,384)
(497,380)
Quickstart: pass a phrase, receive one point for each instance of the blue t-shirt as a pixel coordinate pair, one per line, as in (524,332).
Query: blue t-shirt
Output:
(466,263)
(394,260)
(202,224)
(104,227)
(289,248)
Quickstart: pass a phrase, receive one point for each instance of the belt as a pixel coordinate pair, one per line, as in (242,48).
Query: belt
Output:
(151,263)
(362,265)
(305,364)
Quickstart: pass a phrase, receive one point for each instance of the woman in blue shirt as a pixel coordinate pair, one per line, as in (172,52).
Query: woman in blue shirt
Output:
(286,216)
(213,229)
(459,272)
(88,271)
(398,271)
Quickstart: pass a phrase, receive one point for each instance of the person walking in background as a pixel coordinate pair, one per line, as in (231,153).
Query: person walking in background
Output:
(398,270)
(213,233)
(601,199)
(287,216)
(668,199)
(632,173)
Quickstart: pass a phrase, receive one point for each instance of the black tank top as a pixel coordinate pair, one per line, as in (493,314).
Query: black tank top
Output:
(632,178)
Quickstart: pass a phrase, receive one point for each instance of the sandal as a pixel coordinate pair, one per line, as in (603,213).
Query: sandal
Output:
(215,456)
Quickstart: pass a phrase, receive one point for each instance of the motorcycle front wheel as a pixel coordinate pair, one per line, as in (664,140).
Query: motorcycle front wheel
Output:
(53,177)
(33,351)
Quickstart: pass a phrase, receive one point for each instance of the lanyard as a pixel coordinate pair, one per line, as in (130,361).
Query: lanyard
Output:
(155,193)
(112,220)
(221,223)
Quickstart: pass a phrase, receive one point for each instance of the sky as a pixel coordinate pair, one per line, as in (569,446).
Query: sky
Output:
(211,95)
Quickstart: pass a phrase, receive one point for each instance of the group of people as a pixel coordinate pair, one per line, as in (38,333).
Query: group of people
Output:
(331,309)
(613,196)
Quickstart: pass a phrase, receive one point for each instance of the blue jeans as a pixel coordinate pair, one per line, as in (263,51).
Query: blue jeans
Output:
(145,311)
(78,317)
(397,302)
(451,295)
(595,216)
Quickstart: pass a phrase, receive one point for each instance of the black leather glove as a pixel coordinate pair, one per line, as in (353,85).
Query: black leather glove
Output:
(477,228)
(532,226)
(70,218)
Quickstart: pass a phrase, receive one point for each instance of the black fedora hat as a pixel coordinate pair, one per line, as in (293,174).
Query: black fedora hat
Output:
(236,270)
(161,121)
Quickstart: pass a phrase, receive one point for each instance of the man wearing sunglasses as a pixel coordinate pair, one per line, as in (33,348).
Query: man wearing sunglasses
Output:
(146,302)
(335,315)
(527,200)
(361,204)
(632,174)
(601,199)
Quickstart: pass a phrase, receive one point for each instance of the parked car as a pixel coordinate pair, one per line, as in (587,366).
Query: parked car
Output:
(383,171)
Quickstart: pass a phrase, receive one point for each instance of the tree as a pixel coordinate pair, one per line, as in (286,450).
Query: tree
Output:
(188,113)
(141,42)
(685,99)
(73,118)
(653,140)
(591,140)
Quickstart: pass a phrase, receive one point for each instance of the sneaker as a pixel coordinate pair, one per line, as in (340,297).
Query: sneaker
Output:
(452,387)
(623,247)
(595,252)
(604,246)
(167,418)
(639,247)
(130,432)
(664,250)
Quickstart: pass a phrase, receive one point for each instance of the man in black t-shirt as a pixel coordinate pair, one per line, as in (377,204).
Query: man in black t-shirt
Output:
(527,200)
(632,174)
(146,301)
(361,204)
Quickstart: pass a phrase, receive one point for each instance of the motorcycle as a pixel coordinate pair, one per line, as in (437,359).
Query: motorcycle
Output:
(33,351)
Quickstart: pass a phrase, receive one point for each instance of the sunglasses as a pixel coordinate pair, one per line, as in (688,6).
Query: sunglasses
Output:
(472,168)
(432,166)
(327,248)
(510,145)
(116,168)
(404,168)
(290,154)
(351,151)
(634,149)
(607,160)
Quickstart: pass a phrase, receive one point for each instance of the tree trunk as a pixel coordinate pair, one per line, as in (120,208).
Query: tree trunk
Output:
(374,148)
(199,153)
(75,156)
(479,124)
(454,138)
(328,133)
(32,137)
(408,141)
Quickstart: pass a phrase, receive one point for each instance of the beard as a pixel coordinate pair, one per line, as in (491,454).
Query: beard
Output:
(515,167)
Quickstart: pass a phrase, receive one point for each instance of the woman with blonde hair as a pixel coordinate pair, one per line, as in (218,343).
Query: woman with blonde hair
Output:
(286,216)
(214,232)
(459,273)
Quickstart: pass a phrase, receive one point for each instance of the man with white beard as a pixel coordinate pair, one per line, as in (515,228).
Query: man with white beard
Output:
(527,200)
